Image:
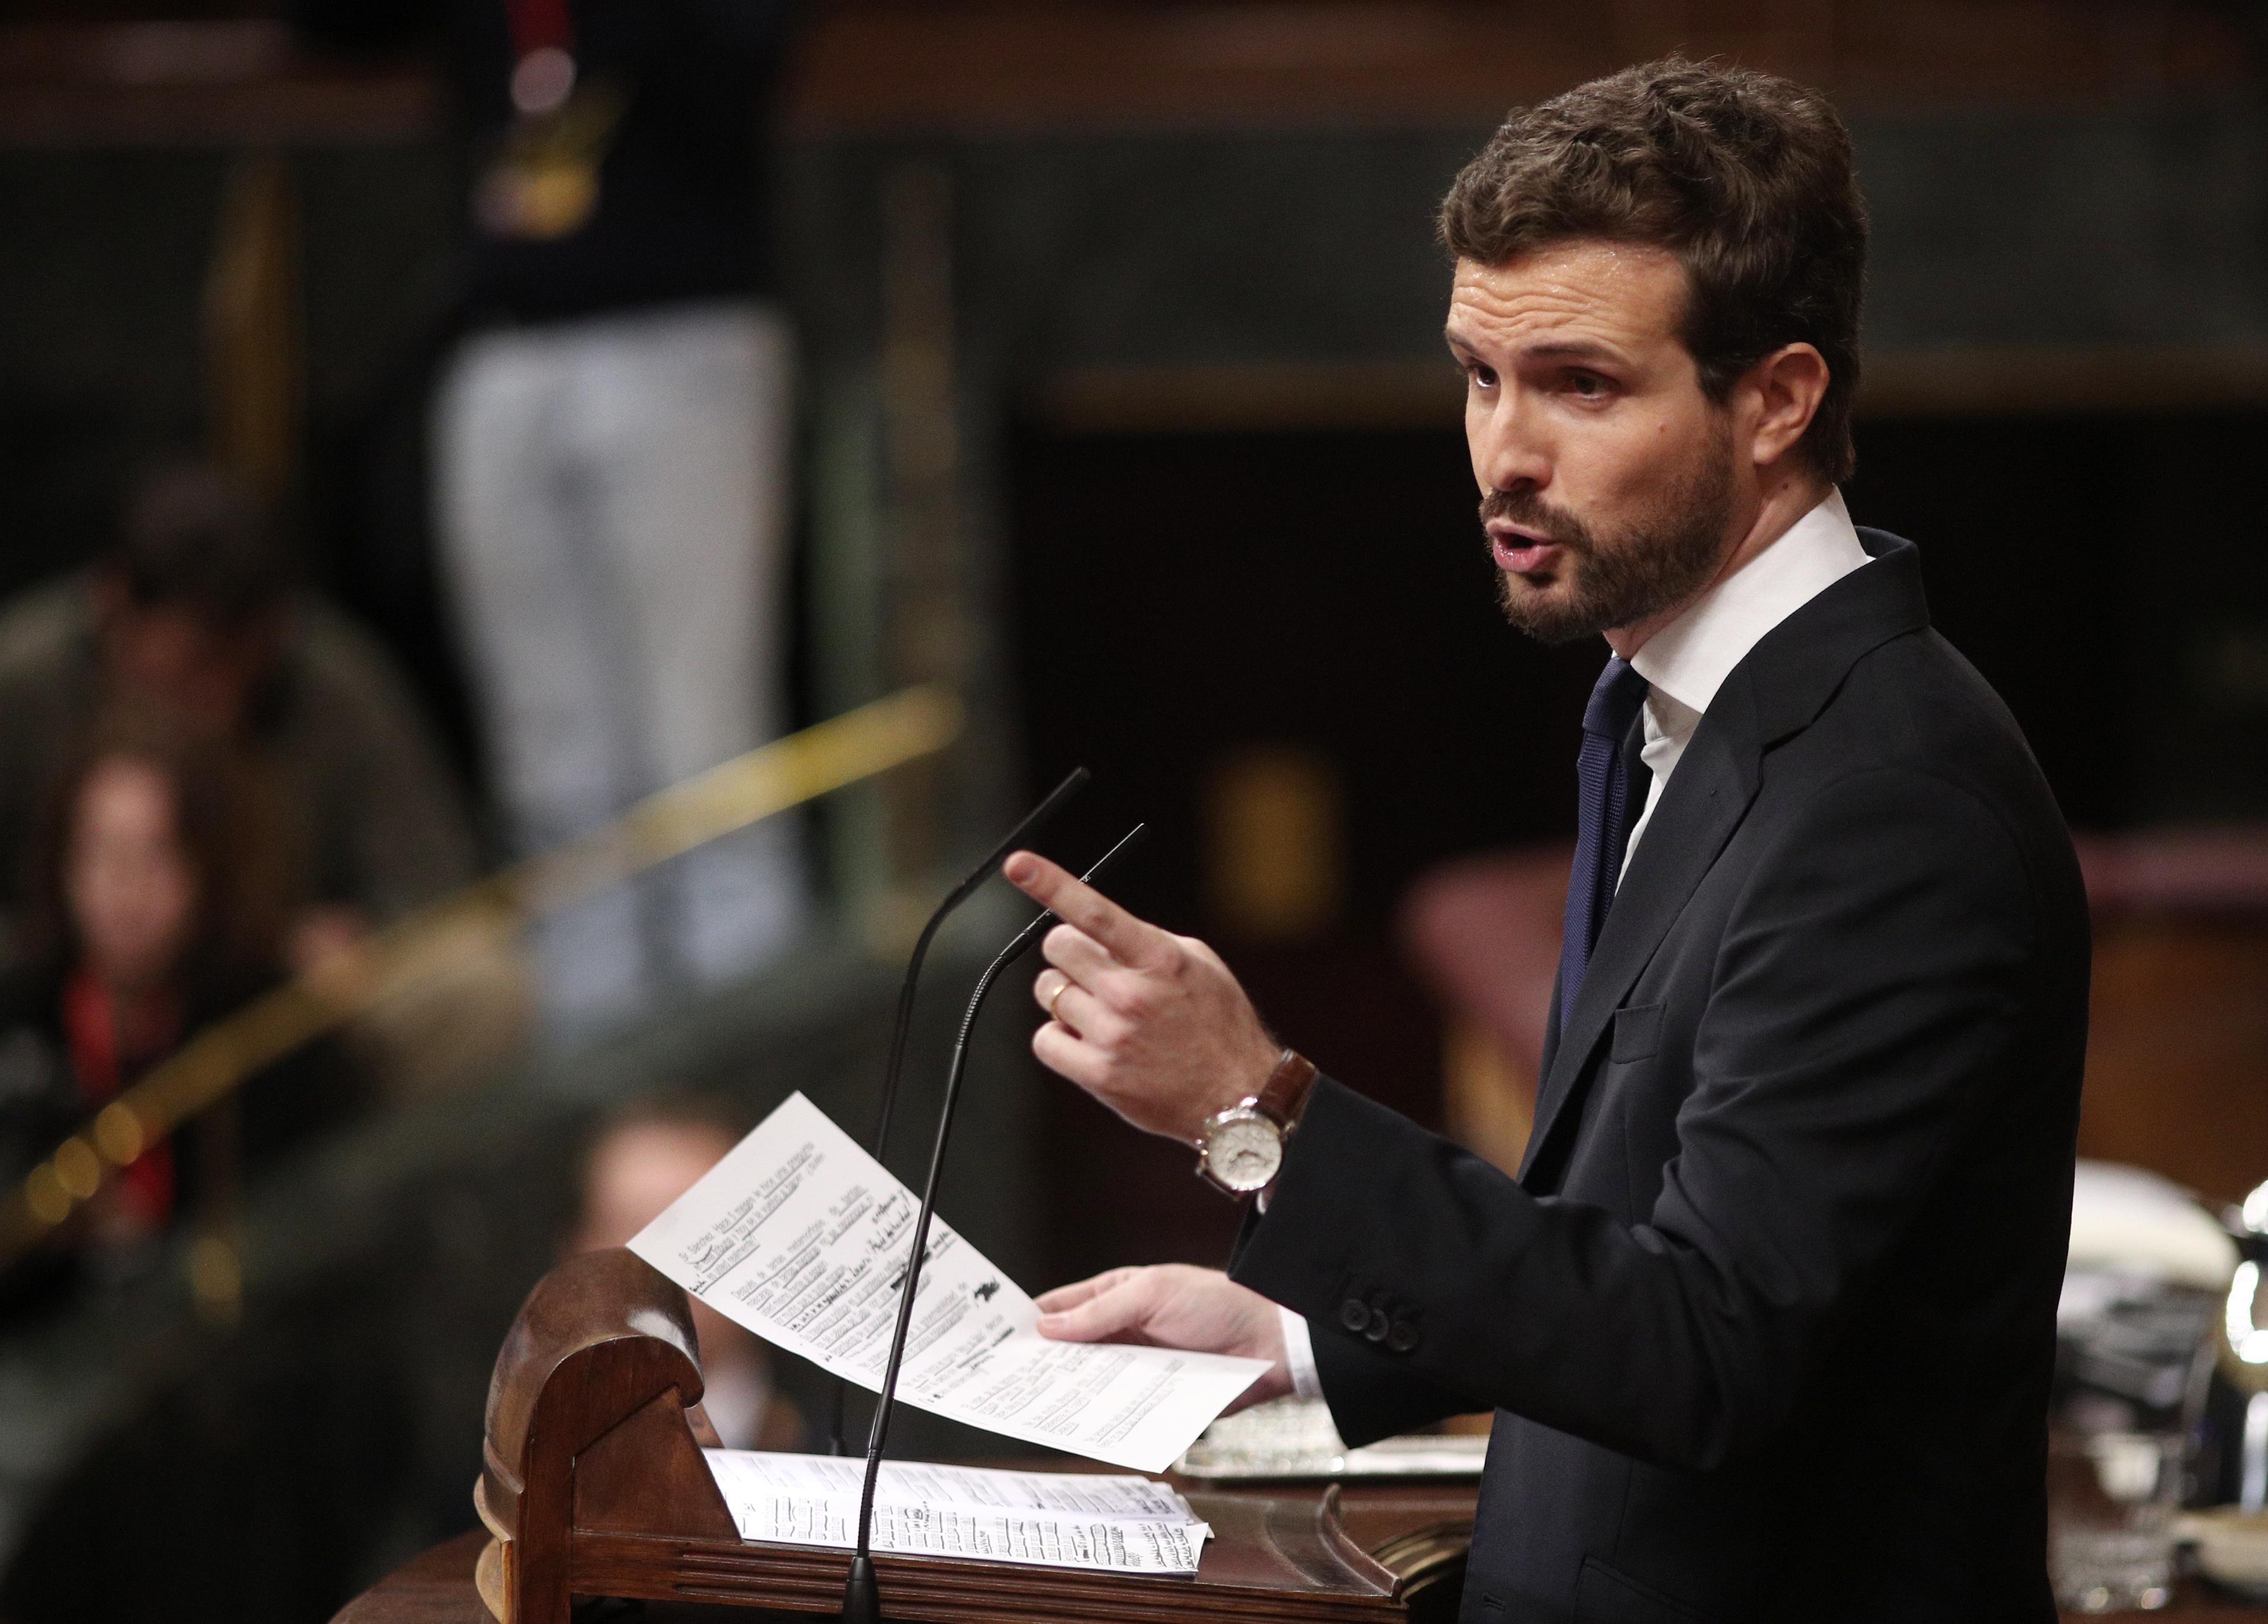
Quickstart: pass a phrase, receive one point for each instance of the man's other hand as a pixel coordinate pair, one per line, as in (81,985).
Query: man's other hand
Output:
(1150,1024)
(1174,1305)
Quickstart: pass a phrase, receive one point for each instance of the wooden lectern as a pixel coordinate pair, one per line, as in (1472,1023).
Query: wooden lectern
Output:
(593,1485)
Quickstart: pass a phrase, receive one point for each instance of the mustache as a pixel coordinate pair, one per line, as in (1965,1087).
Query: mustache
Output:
(1520,505)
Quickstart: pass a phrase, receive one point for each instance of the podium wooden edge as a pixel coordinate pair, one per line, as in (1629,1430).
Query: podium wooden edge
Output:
(592,1484)
(1428,1560)
(487,1578)
(585,1425)
(1327,1522)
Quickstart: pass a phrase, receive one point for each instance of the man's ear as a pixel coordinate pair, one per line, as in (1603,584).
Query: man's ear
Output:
(1787,386)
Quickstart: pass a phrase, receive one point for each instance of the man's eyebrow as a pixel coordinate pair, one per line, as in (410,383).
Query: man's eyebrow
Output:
(1549,349)
(1571,350)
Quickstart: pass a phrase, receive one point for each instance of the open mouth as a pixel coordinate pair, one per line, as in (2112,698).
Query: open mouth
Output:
(1519,552)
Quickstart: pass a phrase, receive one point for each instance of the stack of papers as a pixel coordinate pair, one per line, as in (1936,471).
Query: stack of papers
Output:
(801,1236)
(1056,1519)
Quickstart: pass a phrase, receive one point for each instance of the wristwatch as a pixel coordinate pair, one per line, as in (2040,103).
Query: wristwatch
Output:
(1239,1150)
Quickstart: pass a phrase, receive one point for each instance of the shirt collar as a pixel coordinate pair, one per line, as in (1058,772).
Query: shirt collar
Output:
(1689,658)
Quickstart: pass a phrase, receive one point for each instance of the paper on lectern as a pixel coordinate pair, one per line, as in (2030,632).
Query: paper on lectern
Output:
(1057,1519)
(801,1236)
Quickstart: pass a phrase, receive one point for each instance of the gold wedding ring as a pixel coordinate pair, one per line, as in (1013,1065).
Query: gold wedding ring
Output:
(1056,999)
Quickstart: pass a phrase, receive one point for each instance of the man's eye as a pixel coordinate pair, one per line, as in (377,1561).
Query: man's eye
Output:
(1483,377)
(1587,384)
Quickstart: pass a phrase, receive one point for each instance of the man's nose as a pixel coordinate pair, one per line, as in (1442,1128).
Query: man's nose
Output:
(1507,453)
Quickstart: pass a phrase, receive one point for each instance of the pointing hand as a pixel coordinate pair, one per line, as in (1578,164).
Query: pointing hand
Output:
(1150,1024)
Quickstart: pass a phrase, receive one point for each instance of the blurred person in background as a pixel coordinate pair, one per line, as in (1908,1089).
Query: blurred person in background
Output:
(642,1158)
(611,443)
(193,613)
(162,879)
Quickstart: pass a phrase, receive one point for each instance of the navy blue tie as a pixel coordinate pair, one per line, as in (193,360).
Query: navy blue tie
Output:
(1604,814)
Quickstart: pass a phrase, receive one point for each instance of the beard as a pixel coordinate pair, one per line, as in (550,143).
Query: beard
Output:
(1656,561)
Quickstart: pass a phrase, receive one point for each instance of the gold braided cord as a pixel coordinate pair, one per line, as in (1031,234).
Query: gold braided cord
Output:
(911,724)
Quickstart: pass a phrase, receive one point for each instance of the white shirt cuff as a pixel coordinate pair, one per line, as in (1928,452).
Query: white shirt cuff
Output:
(1300,1354)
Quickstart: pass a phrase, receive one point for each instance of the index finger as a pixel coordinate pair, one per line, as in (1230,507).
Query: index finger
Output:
(1134,943)
(1079,1291)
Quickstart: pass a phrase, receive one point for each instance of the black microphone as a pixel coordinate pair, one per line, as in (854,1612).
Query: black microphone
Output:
(862,1601)
(1070,785)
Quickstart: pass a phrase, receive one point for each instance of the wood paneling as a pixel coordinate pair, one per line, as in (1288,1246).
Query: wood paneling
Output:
(1102,66)
(2177,1052)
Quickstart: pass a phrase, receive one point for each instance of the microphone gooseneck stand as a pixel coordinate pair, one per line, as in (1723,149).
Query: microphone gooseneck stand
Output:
(903,1025)
(862,1601)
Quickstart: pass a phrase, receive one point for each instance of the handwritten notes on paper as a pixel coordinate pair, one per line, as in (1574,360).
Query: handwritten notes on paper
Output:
(1056,1519)
(801,1236)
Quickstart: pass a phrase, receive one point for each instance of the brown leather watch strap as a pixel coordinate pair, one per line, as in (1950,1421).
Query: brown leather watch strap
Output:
(1284,1095)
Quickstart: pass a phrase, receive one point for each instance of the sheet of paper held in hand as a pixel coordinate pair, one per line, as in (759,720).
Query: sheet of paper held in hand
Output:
(800,1236)
(1057,1520)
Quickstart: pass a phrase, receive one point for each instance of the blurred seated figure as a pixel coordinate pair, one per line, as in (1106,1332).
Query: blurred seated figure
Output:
(642,1158)
(193,612)
(158,891)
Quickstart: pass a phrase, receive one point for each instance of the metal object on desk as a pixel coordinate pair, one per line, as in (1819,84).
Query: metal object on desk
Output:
(2231,1546)
(2244,1345)
(2135,1340)
(1293,1440)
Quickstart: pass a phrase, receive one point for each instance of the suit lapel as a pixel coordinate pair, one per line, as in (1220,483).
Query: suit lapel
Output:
(1776,691)
(1706,798)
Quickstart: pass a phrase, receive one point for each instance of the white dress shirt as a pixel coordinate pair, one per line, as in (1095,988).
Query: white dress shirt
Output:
(1688,660)
(1685,662)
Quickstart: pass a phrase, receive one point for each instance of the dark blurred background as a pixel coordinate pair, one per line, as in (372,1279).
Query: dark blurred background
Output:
(1117,404)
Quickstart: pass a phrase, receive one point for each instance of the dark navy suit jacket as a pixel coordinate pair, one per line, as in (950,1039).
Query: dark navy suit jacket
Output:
(1768,1316)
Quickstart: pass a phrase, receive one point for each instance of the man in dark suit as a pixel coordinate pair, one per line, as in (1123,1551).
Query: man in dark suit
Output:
(1768,1315)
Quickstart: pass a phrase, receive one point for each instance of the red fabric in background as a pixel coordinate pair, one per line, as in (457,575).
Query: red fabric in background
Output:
(91,1029)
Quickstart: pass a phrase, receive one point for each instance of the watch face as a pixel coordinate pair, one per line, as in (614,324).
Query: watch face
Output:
(1243,1150)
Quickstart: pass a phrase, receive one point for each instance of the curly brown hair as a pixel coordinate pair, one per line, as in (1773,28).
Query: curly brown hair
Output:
(1745,177)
